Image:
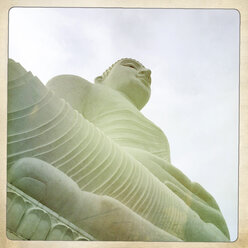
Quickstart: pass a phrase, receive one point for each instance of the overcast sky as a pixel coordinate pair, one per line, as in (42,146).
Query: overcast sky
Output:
(194,59)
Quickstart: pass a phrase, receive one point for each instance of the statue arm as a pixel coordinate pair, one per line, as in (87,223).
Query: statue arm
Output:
(102,216)
(73,89)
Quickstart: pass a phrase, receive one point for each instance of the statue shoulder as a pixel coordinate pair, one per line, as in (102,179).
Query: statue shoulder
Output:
(74,89)
(68,81)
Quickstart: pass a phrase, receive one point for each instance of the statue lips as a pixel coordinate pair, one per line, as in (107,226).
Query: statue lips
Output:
(145,80)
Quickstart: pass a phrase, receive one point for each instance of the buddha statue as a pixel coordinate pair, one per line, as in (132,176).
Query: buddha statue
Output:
(86,152)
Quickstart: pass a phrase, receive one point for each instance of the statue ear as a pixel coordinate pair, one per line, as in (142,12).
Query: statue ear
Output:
(98,79)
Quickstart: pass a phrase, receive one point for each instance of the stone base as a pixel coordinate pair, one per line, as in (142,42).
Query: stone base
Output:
(27,219)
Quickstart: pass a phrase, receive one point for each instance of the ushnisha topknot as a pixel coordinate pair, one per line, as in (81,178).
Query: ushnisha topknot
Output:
(105,73)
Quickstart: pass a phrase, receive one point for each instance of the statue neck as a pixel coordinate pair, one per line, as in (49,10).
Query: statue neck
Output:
(128,99)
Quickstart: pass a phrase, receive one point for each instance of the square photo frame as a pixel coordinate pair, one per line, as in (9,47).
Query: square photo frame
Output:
(223,59)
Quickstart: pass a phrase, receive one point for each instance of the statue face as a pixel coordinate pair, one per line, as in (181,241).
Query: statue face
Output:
(131,79)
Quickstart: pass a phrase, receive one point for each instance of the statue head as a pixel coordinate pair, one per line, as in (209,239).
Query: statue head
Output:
(130,78)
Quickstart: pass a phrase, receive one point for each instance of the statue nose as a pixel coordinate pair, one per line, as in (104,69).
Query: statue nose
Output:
(145,72)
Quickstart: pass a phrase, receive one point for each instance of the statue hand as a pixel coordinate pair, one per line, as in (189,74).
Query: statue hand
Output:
(44,183)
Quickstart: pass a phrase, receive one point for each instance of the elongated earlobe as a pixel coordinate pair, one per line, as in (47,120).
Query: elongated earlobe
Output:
(98,79)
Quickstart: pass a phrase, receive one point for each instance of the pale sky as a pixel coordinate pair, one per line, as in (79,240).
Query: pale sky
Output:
(194,59)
